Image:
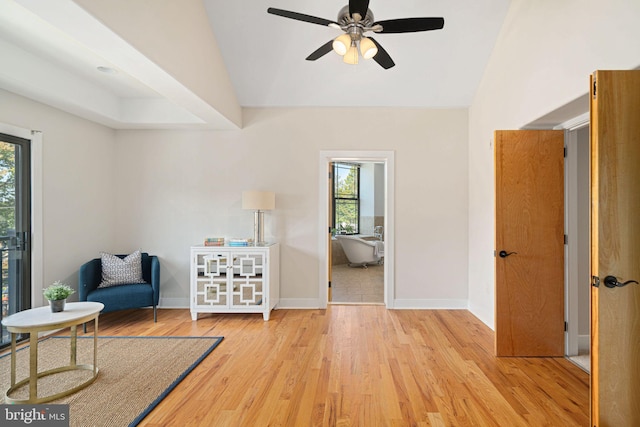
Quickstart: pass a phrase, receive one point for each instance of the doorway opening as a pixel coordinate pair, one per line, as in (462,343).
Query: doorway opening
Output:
(356,263)
(383,163)
(577,250)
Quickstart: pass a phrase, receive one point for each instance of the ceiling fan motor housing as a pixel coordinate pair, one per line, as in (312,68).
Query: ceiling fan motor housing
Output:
(355,28)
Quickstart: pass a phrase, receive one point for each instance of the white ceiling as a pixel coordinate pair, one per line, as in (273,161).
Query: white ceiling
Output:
(50,50)
(265,54)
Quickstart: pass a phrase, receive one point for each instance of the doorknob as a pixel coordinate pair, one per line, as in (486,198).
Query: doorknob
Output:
(612,282)
(504,254)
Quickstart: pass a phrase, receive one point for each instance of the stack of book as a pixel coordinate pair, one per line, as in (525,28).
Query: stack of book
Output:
(239,242)
(214,241)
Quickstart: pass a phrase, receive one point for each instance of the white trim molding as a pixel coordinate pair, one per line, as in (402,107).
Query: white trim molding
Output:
(173,303)
(388,159)
(574,123)
(299,303)
(432,304)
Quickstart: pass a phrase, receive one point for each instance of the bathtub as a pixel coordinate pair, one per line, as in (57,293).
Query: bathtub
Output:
(360,251)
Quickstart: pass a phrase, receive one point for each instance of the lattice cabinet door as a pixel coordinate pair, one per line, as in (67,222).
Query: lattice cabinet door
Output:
(211,287)
(248,281)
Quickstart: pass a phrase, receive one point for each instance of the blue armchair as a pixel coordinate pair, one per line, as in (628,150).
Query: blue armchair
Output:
(121,297)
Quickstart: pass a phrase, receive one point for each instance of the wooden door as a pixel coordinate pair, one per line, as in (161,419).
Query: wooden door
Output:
(615,248)
(330,236)
(529,258)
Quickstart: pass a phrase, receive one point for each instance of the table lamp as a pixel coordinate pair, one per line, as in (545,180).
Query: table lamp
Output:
(259,201)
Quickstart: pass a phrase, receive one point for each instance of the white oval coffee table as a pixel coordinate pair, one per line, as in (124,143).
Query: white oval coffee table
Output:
(42,319)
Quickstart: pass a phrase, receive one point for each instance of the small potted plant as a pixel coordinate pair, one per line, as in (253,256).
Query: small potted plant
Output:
(57,295)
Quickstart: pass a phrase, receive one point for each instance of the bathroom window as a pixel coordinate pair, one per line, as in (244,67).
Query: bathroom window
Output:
(346,198)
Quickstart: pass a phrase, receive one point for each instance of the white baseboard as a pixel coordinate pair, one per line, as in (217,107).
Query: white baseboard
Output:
(298,303)
(431,304)
(290,303)
(483,315)
(314,303)
(173,303)
(584,342)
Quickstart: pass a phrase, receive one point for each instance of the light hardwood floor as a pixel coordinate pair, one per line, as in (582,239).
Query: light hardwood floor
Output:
(358,366)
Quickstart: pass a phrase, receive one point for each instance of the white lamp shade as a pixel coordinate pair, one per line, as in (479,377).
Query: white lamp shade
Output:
(258,200)
(341,44)
(351,57)
(368,48)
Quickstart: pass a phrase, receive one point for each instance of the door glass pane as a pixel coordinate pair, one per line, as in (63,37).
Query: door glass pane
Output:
(14,227)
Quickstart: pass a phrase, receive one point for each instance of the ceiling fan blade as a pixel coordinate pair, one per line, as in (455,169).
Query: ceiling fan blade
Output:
(382,57)
(321,51)
(358,6)
(410,25)
(300,17)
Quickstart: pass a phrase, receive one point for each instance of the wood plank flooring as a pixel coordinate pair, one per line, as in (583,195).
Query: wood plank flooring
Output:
(358,366)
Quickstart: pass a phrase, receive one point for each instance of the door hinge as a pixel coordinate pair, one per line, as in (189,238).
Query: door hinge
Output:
(566,326)
(566,239)
(595,281)
(594,86)
(565,151)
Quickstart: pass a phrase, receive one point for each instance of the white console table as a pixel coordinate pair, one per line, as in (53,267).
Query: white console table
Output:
(231,279)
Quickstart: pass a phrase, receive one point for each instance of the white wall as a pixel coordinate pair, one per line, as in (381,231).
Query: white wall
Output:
(163,191)
(379,185)
(368,192)
(177,187)
(78,215)
(542,61)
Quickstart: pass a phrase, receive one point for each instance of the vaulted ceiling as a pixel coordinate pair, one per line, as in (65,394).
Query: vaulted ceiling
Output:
(194,64)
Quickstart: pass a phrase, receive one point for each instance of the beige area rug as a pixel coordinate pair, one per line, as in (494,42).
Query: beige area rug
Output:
(135,374)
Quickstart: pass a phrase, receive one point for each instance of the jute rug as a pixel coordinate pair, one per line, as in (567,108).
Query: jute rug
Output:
(135,374)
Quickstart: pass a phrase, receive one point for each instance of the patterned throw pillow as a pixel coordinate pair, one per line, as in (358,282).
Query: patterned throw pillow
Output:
(117,271)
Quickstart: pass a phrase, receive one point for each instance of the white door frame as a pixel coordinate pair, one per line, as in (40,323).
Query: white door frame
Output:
(386,157)
(571,229)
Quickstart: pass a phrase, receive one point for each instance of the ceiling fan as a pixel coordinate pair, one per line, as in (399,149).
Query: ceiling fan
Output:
(355,20)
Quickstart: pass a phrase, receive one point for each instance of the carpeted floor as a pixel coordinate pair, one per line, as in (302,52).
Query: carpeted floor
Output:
(357,284)
(135,374)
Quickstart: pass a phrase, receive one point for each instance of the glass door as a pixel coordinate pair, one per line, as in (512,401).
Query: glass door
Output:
(15,227)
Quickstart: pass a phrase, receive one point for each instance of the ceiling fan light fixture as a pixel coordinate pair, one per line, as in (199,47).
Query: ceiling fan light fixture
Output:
(356,19)
(341,44)
(351,57)
(368,48)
